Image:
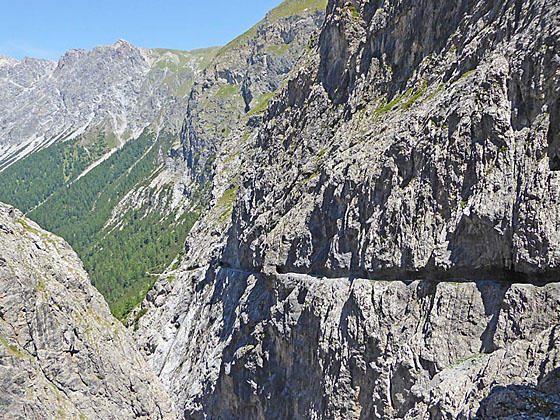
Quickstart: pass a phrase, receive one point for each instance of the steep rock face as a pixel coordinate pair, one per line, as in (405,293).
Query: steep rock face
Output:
(241,79)
(62,354)
(415,144)
(225,109)
(293,346)
(521,402)
(428,151)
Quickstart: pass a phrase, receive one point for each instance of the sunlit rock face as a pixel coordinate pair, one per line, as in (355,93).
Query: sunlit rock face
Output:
(386,243)
(62,354)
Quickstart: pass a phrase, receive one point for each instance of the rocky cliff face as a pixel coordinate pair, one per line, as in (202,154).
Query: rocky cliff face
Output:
(295,346)
(241,79)
(426,151)
(62,354)
(386,244)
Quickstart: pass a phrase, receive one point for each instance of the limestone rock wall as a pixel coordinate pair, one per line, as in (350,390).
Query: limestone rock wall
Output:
(62,354)
(391,248)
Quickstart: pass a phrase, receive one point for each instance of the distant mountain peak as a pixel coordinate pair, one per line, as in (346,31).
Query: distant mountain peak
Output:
(123,43)
(4,59)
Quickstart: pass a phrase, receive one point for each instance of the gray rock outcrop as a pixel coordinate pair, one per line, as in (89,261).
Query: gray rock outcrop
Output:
(387,243)
(240,345)
(431,151)
(522,402)
(62,354)
(242,78)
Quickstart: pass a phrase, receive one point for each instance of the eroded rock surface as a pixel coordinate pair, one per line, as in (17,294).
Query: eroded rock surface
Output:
(241,79)
(294,346)
(387,244)
(62,354)
(407,147)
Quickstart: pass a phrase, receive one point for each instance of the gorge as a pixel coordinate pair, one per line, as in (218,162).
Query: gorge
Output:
(350,211)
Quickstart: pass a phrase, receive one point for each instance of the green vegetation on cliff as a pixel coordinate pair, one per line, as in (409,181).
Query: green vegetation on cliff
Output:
(81,209)
(121,259)
(286,8)
(295,7)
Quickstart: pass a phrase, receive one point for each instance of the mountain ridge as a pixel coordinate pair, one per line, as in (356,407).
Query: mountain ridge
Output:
(119,70)
(368,198)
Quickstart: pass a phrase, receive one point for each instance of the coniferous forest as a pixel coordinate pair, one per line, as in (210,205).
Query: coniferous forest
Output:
(123,258)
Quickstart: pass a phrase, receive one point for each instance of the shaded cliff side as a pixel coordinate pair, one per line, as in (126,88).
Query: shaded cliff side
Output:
(387,243)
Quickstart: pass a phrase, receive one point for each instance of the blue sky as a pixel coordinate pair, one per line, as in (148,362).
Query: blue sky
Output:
(47,28)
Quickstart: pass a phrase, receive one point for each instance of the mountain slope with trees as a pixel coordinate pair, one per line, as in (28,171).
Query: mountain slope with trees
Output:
(125,190)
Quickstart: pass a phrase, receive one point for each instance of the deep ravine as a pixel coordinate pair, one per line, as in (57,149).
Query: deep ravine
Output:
(376,190)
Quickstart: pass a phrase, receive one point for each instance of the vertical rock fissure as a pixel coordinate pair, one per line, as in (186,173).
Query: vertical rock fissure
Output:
(553,137)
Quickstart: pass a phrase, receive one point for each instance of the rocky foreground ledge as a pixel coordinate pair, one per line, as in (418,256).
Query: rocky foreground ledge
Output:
(62,354)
